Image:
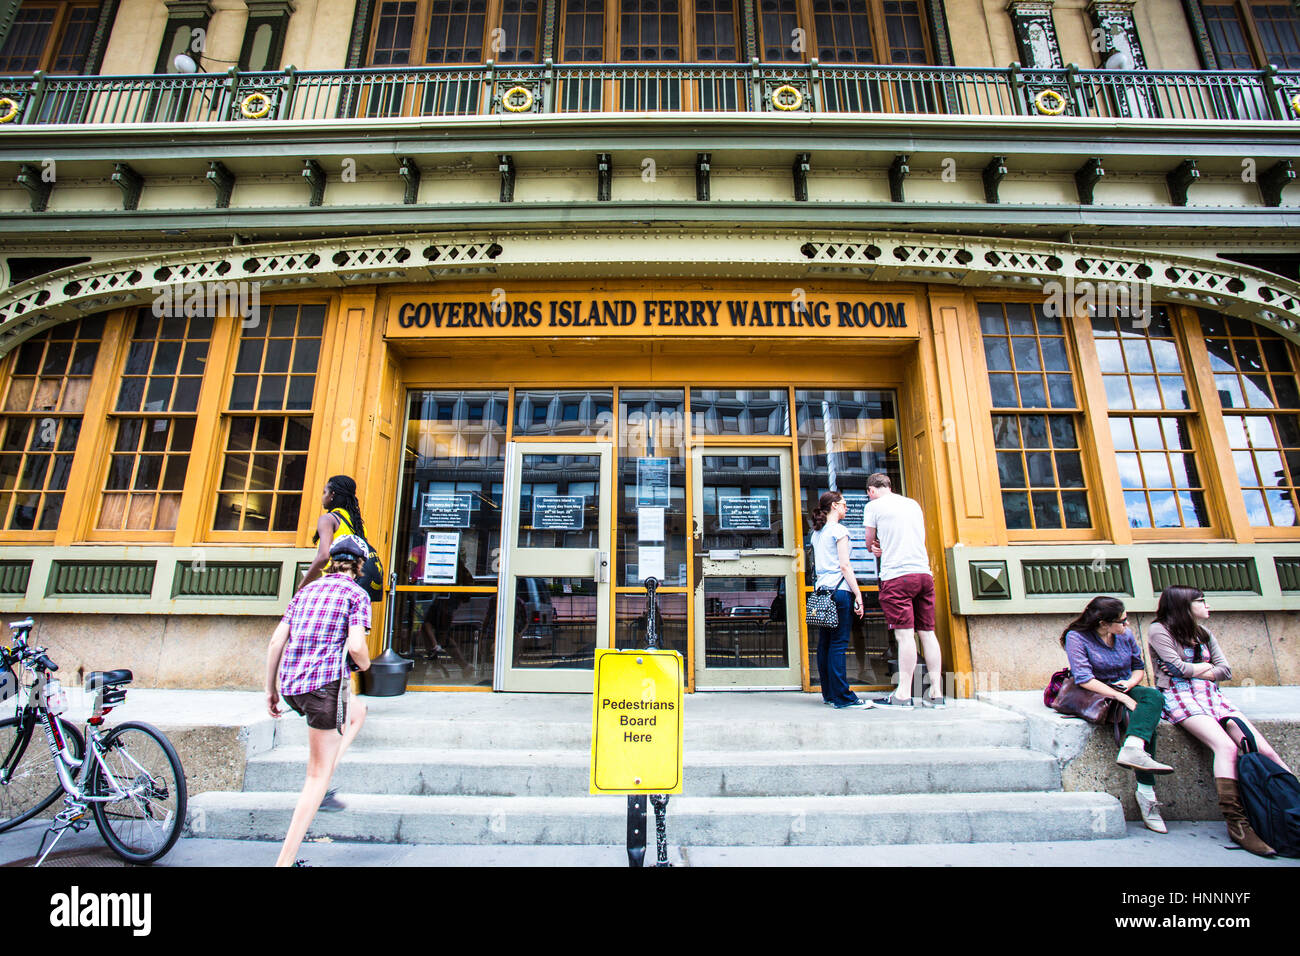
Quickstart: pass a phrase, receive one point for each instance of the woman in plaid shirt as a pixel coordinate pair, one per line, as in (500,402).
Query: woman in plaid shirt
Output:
(325,624)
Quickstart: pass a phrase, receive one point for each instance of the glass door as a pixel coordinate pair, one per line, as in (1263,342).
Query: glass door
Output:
(554,607)
(746,620)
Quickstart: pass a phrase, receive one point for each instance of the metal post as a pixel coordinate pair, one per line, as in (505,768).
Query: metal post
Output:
(636,804)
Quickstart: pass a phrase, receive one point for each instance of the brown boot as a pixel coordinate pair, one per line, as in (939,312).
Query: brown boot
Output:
(1235,815)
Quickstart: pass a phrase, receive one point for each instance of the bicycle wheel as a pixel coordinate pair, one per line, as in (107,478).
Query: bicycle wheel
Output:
(28,781)
(145,817)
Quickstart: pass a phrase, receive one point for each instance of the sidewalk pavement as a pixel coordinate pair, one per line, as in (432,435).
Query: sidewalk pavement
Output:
(1186,845)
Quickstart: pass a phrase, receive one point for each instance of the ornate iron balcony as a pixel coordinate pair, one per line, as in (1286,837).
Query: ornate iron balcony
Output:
(775,88)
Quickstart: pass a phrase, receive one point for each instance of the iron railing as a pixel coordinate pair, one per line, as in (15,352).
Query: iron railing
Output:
(790,89)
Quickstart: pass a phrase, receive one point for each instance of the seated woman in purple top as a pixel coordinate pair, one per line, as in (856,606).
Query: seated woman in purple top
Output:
(1105,658)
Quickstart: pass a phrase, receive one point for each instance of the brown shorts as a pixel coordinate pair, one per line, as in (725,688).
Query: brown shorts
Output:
(908,602)
(320,707)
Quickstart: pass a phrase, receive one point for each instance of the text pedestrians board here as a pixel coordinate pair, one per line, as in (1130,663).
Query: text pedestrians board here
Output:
(636,727)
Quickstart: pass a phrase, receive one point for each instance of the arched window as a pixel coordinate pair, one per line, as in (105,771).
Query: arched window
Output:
(54,37)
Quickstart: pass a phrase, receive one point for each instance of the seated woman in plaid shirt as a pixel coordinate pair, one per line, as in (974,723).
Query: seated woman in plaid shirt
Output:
(325,624)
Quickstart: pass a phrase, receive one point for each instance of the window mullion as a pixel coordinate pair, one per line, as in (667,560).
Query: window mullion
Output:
(1221,483)
(1107,495)
(94,443)
(208,444)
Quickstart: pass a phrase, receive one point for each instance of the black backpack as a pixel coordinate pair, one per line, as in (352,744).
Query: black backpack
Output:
(371,578)
(1270,795)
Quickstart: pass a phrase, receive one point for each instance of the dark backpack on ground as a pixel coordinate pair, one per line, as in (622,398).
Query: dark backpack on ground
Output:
(1270,795)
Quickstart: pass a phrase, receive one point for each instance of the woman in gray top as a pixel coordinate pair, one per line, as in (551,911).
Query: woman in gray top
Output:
(1189,665)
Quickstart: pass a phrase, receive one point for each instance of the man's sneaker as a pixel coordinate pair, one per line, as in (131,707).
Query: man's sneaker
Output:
(936,702)
(861,703)
(332,803)
(894,701)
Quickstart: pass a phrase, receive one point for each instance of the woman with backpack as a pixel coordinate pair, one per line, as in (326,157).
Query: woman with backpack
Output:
(1105,658)
(1189,665)
(342,517)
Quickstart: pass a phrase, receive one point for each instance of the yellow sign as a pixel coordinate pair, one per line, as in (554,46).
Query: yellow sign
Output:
(636,725)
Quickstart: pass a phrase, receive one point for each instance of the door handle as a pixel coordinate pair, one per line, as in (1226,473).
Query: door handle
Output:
(601,569)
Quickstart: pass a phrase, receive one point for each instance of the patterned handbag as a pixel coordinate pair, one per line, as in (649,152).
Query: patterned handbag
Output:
(820,608)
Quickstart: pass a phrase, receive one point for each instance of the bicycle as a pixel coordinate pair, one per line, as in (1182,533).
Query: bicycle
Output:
(128,776)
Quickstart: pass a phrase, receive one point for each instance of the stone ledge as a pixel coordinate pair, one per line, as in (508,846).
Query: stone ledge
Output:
(1087,753)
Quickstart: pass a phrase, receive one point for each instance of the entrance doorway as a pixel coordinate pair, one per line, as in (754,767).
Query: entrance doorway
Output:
(554,608)
(746,624)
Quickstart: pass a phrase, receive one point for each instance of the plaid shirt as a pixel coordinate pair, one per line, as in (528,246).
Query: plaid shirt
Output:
(319,617)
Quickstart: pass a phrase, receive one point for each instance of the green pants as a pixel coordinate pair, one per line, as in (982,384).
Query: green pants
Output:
(1143,721)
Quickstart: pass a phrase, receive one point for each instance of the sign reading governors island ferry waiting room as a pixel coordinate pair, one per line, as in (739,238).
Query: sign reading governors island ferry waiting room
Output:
(638,312)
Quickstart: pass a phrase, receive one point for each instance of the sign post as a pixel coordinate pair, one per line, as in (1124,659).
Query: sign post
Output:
(636,738)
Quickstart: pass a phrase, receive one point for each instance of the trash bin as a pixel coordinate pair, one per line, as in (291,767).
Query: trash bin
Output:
(387,675)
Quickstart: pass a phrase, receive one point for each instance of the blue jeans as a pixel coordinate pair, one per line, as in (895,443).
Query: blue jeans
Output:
(831,646)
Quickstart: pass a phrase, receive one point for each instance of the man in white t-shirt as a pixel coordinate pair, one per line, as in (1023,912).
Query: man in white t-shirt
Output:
(895,530)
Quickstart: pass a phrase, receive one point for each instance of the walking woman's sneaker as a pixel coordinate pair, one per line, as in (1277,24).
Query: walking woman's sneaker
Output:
(331,801)
(1150,811)
(894,701)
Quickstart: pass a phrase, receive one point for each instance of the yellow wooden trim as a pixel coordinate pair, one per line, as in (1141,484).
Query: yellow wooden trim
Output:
(694,537)
(90,461)
(800,564)
(921,452)
(1223,489)
(1101,468)
(318,463)
(445,589)
(450,688)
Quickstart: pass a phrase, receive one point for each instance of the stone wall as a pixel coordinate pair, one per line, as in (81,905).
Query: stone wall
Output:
(198,652)
(1020,652)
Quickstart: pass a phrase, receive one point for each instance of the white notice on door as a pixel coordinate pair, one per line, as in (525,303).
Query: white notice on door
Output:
(440,553)
(650,524)
(650,563)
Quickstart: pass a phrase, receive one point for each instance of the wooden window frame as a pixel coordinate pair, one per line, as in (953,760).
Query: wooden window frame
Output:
(224,415)
(112,425)
(1246,18)
(1084,426)
(58,29)
(1195,416)
(806,20)
(420,37)
(86,416)
(1243,531)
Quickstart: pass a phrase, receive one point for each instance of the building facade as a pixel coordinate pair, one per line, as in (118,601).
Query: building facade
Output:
(585,292)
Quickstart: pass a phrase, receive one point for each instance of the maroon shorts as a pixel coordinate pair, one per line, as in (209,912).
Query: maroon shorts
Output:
(908,602)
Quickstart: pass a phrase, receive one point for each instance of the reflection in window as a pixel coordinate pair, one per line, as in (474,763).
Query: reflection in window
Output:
(745,623)
(730,411)
(651,474)
(563,412)
(1040,464)
(1255,375)
(1142,370)
(555,623)
(559,501)
(161,378)
(845,436)
(867,659)
(265,462)
(449,529)
(741,502)
(48,384)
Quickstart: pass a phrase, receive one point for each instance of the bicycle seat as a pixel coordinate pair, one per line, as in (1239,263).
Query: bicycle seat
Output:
(107,678)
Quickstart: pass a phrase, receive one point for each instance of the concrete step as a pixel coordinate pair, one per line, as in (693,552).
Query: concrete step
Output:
(828,730)
(692,821)
(707,774)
